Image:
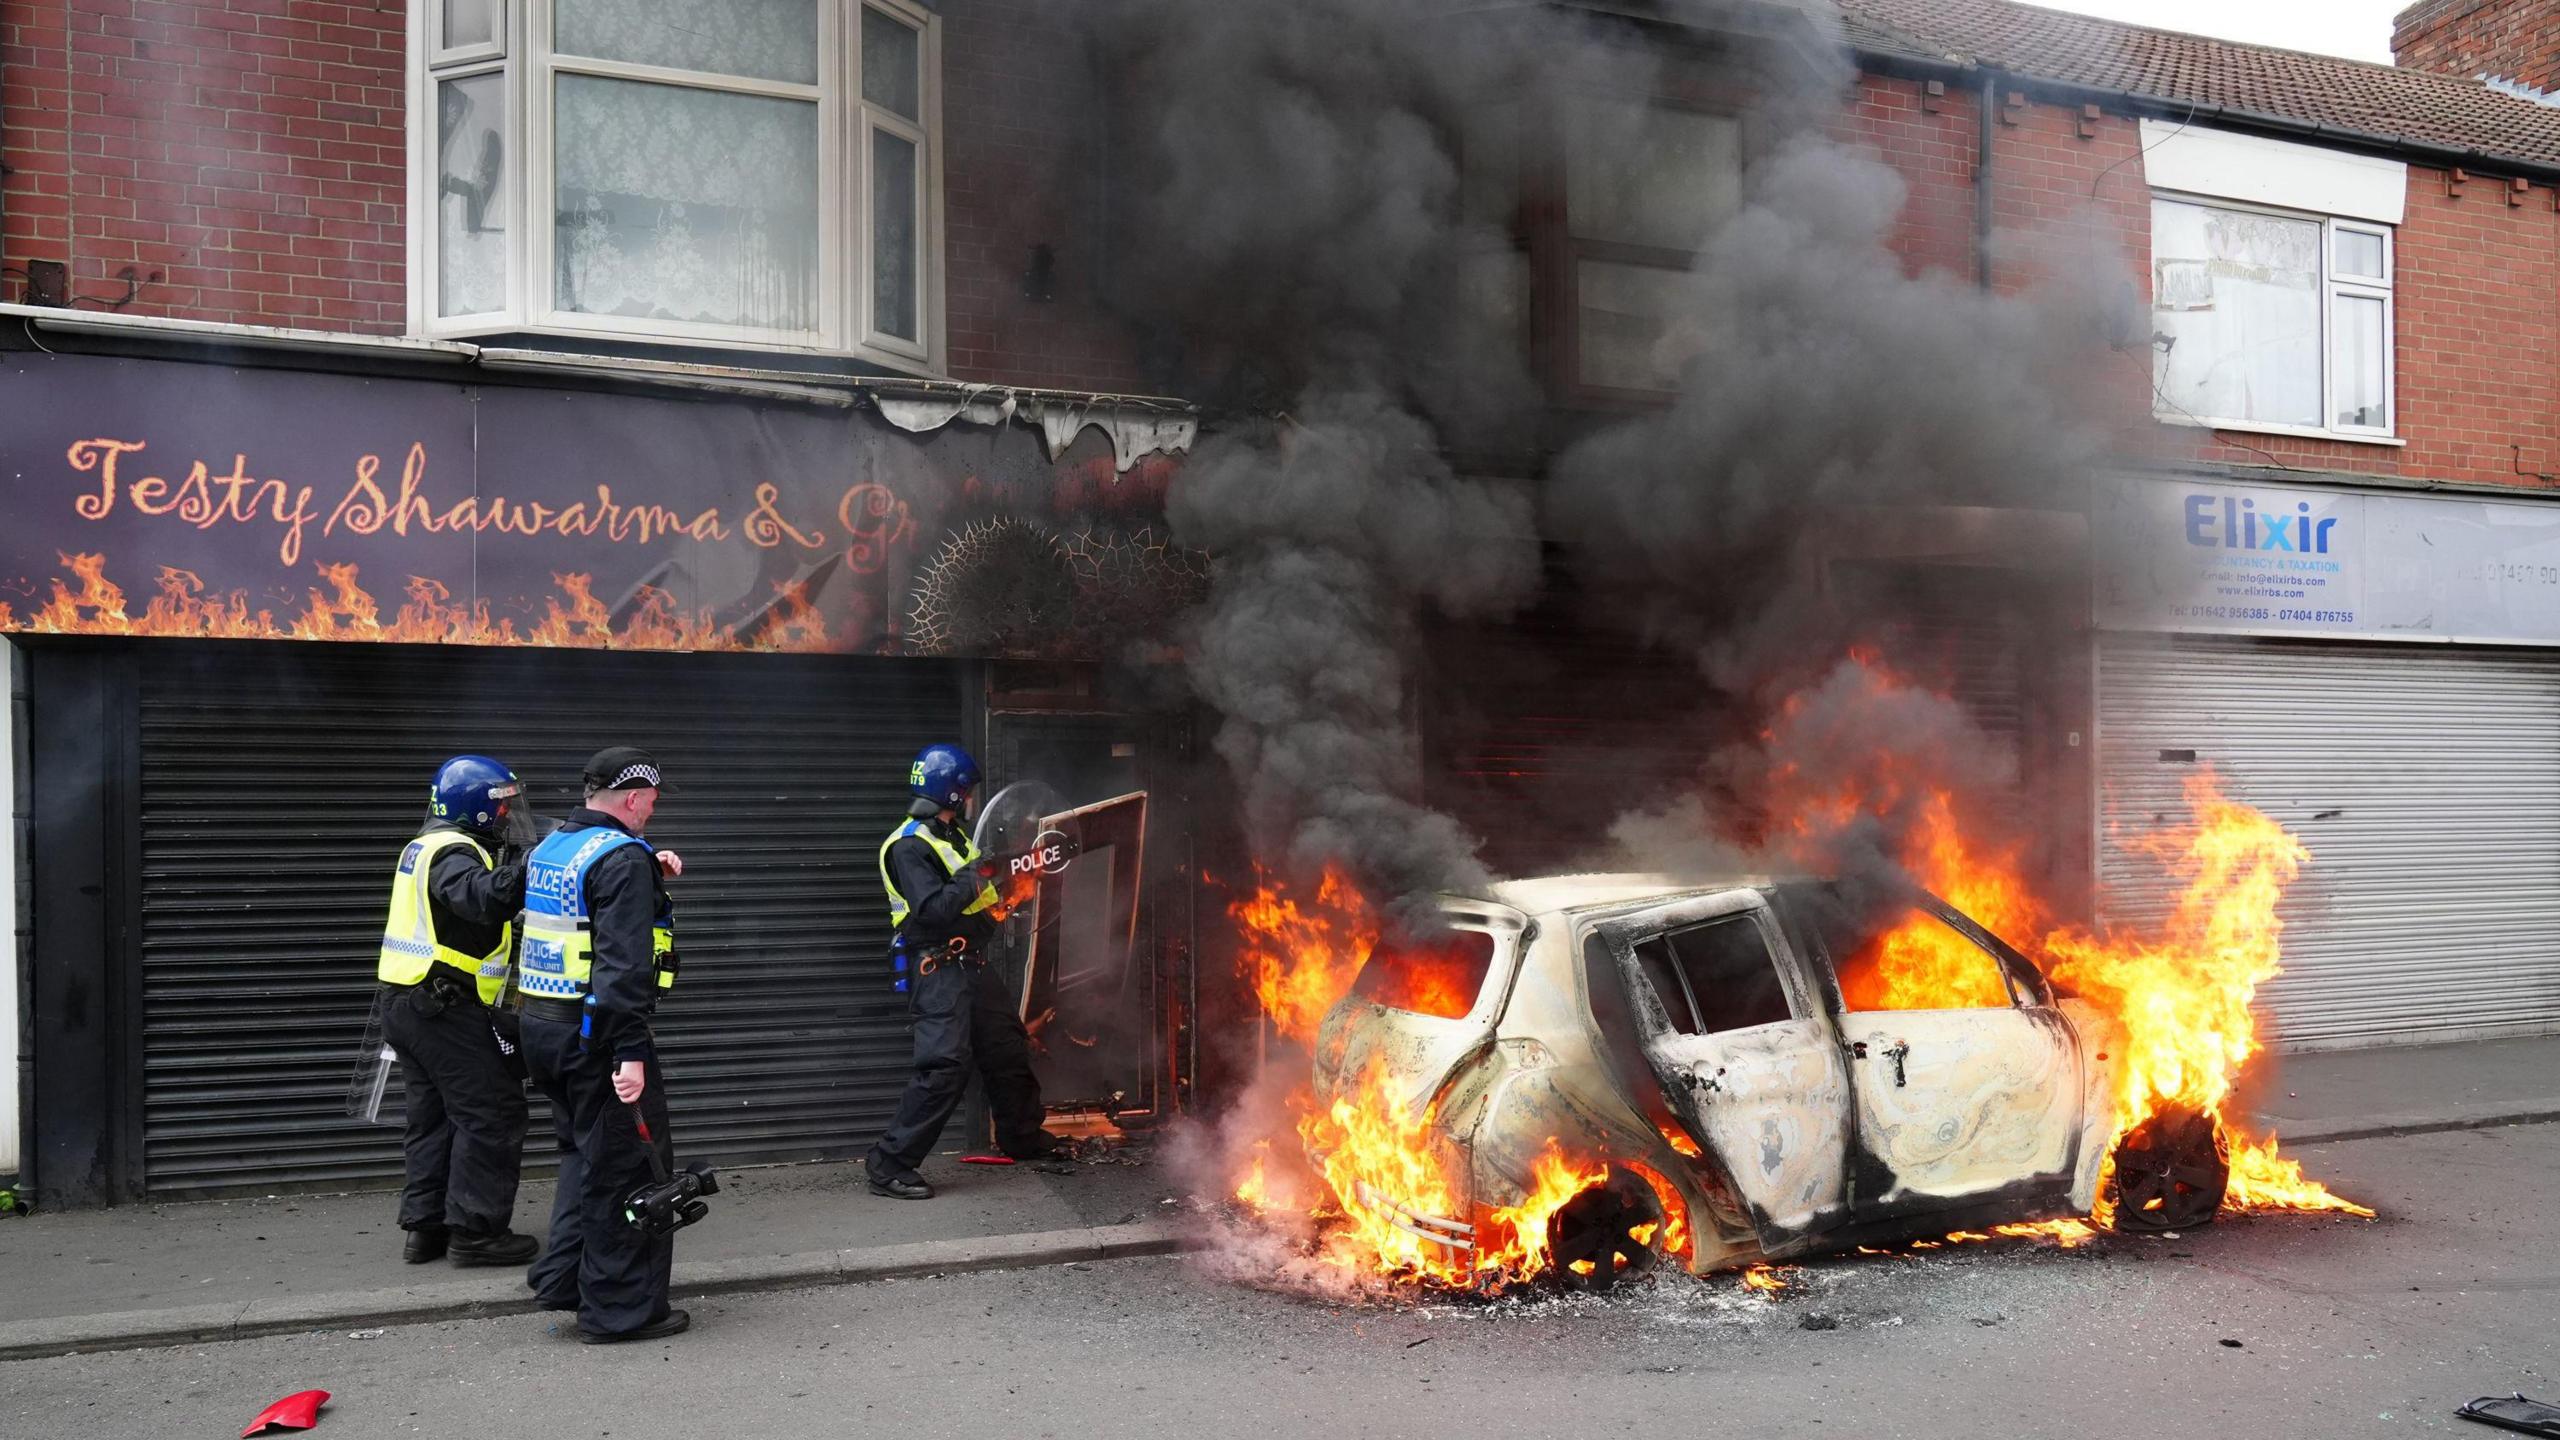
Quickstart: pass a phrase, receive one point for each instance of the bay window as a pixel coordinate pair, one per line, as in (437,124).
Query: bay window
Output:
(720,172)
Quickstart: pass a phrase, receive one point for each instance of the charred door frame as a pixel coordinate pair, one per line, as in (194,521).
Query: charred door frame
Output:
(83,1140)
(1168,911)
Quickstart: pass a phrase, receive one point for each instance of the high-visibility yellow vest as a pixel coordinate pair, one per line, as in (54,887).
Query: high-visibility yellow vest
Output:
(410,948)
(559,936)
(954,858)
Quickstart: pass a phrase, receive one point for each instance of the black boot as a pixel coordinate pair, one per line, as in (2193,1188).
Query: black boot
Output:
(425,1243)
(909,1186)
(672,1323)
(504,1248)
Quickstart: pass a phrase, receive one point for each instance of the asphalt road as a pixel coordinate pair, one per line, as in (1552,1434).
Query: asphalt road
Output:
(2342,1328)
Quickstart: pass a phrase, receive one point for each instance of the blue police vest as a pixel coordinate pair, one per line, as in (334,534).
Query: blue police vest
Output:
(559,937)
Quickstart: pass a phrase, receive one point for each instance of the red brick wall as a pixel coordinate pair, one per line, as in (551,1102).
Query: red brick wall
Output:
(1934,154)
(2513,39)
(1022,113)
(2477,312)
(250,152)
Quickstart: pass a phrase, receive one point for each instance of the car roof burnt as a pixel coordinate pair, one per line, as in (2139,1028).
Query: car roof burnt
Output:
(1541,894)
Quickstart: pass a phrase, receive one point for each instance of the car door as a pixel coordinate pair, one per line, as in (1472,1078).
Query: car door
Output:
(1965,1079)
(1733,1027)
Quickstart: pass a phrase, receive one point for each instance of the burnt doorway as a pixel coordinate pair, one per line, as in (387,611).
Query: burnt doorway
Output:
(1102,968)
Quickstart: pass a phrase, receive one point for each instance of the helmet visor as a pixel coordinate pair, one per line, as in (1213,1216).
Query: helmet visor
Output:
(510,820)
(519,827)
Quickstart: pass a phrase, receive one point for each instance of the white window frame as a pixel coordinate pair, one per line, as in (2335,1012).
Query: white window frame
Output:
(525,55)
(2332,287)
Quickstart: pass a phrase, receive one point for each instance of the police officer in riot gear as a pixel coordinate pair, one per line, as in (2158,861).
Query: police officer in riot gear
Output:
(599,948)
(941,903)
(443,965)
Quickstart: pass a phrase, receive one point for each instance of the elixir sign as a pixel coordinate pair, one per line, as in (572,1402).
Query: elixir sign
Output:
(2287,560)
(2179,556)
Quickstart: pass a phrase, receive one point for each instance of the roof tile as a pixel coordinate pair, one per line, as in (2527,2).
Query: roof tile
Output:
(2181,69)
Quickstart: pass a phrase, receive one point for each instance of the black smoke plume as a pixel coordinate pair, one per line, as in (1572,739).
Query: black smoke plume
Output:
(1313,242)
(1305,221)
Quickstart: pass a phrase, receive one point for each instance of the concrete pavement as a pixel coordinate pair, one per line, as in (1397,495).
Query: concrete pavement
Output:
(173,1274)
(2281,1326)
(178,1273)
(2408,1090)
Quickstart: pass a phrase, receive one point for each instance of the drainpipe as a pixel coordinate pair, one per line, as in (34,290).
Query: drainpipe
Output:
(1982,182)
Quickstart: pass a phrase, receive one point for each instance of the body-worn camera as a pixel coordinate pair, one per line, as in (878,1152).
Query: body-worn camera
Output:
(662,1207)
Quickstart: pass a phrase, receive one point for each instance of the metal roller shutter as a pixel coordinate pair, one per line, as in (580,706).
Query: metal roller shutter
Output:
(279,782)
(2424,779)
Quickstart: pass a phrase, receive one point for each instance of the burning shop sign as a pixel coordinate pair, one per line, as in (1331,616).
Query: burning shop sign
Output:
(1581,1077)
(154,498)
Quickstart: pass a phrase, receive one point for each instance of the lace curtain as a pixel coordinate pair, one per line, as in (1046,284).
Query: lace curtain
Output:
(763,39)
(471,196)
(686,204)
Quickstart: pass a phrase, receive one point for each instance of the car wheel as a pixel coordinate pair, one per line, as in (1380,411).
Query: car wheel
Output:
(2170,1172)
(1592,1235)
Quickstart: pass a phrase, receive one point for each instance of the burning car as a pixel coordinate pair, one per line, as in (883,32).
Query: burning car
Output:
(1615,1068)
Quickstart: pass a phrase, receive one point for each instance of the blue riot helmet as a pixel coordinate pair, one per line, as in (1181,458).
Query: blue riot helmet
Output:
(942,776)
(476,793)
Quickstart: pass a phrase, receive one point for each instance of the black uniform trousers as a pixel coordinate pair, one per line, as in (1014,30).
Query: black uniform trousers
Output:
(467,1119)
(613,1271)
(963,1014)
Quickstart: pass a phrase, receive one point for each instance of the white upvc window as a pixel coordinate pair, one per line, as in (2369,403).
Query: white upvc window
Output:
(747,173)
(2271,320)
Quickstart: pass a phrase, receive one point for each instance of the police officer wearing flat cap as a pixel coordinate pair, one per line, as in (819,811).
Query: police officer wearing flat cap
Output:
(942,904)
(443,965)
(599,948)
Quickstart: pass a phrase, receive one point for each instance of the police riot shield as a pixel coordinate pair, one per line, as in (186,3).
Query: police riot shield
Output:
(1024,834)
(370,1080)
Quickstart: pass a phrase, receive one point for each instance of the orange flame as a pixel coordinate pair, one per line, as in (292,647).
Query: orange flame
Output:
(794,624)
(1389,1192)
(1923,965)
(340,608)
(1397,1213)
(430,619)
(1768,1280)
(1674,1230)
(348,613)
(2183,995)
(585,623)
(1302,958)
(181,608)
(1523,1254)
(97,610)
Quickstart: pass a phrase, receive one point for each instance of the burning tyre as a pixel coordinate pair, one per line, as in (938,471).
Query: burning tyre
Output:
(1604,1233)
(2168,1173)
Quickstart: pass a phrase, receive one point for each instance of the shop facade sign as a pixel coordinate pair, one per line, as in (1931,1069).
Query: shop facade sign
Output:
(2183,555)
(166,498)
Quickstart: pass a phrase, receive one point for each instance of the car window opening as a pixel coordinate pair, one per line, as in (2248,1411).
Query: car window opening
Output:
(1715,977)
(1915,960)
(1438,975)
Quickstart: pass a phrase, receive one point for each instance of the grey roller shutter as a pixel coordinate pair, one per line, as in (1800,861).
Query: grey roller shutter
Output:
(2425,780)
(279,782)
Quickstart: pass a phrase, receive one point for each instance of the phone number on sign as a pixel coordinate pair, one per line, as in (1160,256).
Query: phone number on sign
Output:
(2261,612)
